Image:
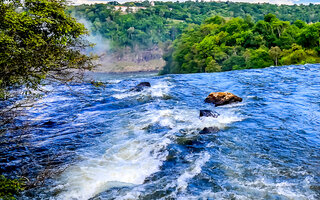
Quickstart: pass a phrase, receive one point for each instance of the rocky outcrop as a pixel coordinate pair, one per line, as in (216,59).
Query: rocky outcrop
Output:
(144,84)
(208,130)
(208,113)
(141,86)
(128,60)
(222,98)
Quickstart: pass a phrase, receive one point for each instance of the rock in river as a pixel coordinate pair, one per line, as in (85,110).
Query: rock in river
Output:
(141,86)
(208,113)
(208,130)
(222,98)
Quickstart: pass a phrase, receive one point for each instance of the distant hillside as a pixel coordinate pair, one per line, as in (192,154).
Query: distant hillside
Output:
(152,26)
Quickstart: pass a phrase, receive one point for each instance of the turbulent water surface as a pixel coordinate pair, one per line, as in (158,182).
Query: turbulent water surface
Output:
(113,143)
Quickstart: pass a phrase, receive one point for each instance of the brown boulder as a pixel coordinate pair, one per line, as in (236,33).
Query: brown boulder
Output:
(222,98)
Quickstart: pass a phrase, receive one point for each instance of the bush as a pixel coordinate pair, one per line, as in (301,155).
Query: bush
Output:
(9,188)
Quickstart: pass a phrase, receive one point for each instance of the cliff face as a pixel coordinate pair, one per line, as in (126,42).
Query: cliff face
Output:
(132,61)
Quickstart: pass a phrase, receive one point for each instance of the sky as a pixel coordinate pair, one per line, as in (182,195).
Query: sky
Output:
(290,2)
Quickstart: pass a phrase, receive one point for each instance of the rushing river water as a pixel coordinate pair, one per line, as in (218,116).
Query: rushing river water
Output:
(113,143)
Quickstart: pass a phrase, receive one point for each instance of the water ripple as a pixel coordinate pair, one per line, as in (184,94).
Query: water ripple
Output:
(113,143)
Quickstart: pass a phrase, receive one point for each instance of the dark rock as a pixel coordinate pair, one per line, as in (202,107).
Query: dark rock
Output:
(155,128)
(208,130)
(222,98)
(144,84)
(49,124)
(186,141)
(141,86)
(191,143)
(208,113)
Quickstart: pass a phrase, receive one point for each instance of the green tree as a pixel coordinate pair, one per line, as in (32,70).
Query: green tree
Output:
(298,55)
(300,24)
(310,35)
(230,44)
(275,53)
(270,17)
(234,62)
(212,65)
(259,58)
(38,39)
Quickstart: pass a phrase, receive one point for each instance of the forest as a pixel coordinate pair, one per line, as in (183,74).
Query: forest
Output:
(239,43)
(161,23)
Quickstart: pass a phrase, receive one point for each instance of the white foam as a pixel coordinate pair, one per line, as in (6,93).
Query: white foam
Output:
(284,189)
(259,189)
(195,169)
(159,89)
(123,95)
(115,81)
(178,119)
(181,183)
(262,187)
(132,154)
(124,164)
(117,90)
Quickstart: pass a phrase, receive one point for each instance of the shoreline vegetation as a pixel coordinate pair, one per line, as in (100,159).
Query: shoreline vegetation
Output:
(39,40)
(142,32)
(224,45)
(10,187)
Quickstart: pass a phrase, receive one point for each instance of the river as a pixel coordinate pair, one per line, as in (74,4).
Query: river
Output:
(113,143)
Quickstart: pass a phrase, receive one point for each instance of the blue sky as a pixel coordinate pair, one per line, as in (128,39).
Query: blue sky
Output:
(251,1)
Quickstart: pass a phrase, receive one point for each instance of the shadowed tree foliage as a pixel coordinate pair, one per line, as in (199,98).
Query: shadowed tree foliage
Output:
(9,188)
(38,39)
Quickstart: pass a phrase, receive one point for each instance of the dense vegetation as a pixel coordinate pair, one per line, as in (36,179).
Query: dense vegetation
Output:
(37,37)
(134,30)
(237,43)
(9,188)
(165,20)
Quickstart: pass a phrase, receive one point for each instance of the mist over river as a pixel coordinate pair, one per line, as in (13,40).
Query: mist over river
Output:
(113,143)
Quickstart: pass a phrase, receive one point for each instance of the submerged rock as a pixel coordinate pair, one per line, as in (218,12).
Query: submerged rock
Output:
(222,98)
(209,113)
(155,128)
(141,86)
(49,124)
(192,143)
(144,84)
(187,141)
(208,130)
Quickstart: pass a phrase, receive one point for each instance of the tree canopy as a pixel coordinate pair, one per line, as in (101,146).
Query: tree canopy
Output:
(38,39)
(165,21)
(221,44)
